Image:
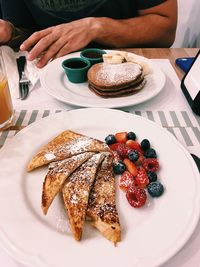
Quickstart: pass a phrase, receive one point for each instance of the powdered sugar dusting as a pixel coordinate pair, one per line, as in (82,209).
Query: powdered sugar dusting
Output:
(102,196)
(76,190)
(49,156)
(74,199)
(79,145)
(76,146)
(66,166)
(111,74)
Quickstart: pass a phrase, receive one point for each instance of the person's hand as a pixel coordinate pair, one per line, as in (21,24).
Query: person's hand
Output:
(58,40)
(5,31)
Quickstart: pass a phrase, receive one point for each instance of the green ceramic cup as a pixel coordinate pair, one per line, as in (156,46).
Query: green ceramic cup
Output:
(76,69)
(94,55)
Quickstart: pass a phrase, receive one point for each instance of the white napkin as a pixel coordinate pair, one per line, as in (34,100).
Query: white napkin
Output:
(9,57)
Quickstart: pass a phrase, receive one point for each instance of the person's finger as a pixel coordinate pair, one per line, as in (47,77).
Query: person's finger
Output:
(34,38)
(41,46)
(51,52)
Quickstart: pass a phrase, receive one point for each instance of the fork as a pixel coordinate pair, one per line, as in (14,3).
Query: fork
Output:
(23,79)
(24,86)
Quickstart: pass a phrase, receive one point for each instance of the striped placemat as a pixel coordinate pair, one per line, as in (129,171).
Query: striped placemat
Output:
(184,127)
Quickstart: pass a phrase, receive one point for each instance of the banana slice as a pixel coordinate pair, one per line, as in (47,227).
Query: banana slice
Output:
(113,58)
(121,57)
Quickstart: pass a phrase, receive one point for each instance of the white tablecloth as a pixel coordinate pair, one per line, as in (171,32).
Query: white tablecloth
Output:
(169,109)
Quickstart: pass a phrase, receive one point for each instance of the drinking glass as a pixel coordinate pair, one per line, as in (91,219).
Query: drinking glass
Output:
(6,107)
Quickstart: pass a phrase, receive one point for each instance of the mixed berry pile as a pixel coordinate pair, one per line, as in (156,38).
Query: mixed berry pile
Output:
(137,165)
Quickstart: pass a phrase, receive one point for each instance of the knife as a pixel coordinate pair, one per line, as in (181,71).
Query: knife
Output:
(21,61)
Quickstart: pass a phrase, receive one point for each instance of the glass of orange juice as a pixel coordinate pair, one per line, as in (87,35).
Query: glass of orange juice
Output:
(6,107)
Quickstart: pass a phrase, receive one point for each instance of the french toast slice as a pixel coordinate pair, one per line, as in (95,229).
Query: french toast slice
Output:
(65,145)
(76,193)
(58,172)
(101,205)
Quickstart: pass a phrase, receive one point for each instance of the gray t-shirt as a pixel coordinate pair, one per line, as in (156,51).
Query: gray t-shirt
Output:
(40,14)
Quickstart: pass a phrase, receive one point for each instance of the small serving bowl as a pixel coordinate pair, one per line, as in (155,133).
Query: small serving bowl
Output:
(94,55)
(76,69)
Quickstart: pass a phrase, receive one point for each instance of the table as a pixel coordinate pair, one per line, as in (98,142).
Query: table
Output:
(181,122)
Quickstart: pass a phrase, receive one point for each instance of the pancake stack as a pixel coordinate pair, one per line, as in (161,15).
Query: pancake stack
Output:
(115,80)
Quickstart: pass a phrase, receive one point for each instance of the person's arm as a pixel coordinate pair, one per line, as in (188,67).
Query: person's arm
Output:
(11,35)
(0,11)
(5,31)
(16,24)
(154,27)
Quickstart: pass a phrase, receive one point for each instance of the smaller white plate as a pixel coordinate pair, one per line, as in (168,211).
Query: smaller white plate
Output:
(56,84)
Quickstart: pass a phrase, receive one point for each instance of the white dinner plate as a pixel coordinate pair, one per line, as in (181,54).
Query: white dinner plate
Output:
(150,235)
(55,83)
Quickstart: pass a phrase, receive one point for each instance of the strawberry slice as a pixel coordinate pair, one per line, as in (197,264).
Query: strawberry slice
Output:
(121,137)
(131,167)
(134,145)
(126,181)
(114,146)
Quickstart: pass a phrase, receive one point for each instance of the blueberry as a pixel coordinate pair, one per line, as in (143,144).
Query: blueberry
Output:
(133,155)
(145,144)
(150,153)
(119,167)
(152,176)
(131,136)
(155,189)
(110,139)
